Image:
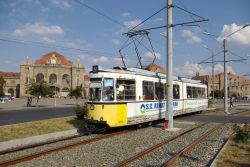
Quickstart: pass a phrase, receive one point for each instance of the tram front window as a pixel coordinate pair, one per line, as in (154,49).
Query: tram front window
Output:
(95,90)
(108,89)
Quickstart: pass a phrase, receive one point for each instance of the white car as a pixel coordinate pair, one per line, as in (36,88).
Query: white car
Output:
(4,99)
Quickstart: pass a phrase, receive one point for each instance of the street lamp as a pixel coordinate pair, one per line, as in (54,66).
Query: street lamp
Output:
(206,47)
(225,64)
(225,67)
(54,84)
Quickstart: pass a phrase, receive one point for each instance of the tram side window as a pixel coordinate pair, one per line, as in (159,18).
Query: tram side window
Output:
(189,92)
(108,89)
(159,91)
(148,90)
(195,92)
(125,89)
(203,92)
(199,94)
(176,91)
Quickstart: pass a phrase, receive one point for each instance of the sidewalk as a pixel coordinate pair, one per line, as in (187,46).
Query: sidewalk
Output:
(20,103)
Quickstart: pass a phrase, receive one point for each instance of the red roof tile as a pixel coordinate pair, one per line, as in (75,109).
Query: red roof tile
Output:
(9,74)
(46,57)
(155,68)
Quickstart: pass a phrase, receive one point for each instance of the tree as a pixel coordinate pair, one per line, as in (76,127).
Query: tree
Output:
(2,83)
(38,89)
(77,92)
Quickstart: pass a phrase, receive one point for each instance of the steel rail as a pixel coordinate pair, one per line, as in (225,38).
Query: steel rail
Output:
(151,149)
(173,160)
(40,144)
(60,148)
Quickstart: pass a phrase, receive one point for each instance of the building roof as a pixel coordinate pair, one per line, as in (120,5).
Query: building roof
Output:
(47,57)
(155,68)
(9,74)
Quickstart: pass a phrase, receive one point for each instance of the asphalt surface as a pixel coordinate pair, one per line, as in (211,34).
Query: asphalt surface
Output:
(16,111)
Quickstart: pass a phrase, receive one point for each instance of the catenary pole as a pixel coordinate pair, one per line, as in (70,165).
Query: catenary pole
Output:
(169,86)
(225,78)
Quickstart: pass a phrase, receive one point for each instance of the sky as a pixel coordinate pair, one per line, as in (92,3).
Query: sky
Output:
(94,31)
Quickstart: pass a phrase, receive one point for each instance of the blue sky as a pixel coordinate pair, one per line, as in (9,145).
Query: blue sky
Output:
(43,25)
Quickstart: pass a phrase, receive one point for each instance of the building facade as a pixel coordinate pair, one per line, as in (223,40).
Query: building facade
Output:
(61,74)
(12,85)
(237,85)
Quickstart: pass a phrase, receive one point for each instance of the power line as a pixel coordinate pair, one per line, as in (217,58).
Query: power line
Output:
(99,12)
(45,45)
(147,18)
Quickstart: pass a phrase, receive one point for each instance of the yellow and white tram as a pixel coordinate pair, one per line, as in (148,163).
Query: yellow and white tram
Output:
(127,96)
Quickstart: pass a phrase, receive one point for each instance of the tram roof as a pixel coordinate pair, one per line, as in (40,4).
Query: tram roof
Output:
(138,71)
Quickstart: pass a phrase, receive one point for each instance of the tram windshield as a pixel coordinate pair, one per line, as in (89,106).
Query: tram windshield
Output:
(95,89)
(108,89)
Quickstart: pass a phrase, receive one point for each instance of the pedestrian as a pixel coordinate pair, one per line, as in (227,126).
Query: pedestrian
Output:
(28,101)
(231,102)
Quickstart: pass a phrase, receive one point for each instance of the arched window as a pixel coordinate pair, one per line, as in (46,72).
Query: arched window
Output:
(65,79)
(39,77)
(11,91)
(52,79)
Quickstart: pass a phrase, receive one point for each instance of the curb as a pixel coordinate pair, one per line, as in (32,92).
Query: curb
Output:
(11,145)
(214,162)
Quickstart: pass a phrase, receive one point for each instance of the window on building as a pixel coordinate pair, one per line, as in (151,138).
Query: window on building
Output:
(53,79)
(108,89)
(65,79)
(125,89)
(148,90)
(39,78)
(77,80)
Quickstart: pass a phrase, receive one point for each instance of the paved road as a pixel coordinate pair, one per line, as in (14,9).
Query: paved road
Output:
(23,115)
(15,111)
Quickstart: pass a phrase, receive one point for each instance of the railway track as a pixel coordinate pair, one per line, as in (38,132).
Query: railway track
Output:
(60,148)
(132,159)
(172,161)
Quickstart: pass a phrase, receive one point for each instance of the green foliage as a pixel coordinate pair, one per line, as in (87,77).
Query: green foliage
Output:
(210,103)
(81,111)
(39,89)
(2,83)
(218,94)
(76,92)
(242,133)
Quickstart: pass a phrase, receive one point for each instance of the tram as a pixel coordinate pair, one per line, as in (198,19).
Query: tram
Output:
(128,96)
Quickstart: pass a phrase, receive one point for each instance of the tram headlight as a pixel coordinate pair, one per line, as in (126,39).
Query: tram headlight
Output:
(92,107)
(101,118)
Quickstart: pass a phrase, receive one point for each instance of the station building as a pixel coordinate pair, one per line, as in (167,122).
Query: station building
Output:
(60,73)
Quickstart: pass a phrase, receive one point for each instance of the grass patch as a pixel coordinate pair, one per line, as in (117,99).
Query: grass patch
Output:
(35,128)
(236,154)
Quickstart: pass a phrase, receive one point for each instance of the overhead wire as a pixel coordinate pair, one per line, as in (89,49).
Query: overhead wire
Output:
(99,12)
(147,18)
(45,45)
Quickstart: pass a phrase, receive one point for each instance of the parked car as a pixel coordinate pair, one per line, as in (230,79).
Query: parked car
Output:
(4,99)
(9,97)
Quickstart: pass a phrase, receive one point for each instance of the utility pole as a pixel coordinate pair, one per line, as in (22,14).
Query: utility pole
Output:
(225,78)
(169,86)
